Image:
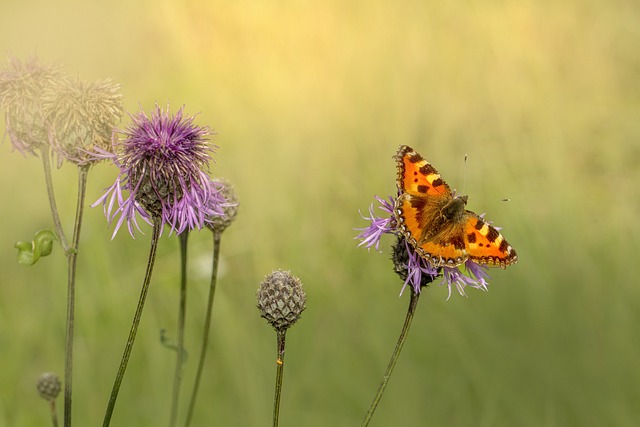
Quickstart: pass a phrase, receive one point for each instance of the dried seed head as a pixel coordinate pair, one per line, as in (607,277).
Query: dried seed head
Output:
(49,386)
(22,87)
(83,116)
(281,299)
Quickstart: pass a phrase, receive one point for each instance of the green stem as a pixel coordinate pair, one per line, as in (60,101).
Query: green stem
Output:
(207,325)
(72,257)
(182,310)
(46,163)
(157,226)
(392,363)
(279,373)
(54,413)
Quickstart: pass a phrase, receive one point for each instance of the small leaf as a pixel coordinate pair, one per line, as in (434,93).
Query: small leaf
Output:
(26,254)
(43,240)
(30,252)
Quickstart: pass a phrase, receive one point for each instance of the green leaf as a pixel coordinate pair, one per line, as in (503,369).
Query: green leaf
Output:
(26,255)
(30,252)
(43,240)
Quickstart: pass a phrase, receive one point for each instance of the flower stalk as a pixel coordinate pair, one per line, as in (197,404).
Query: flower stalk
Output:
(182,311)
(157,227)
(46,165)
(217,224)
(413,303)
(280,338)
(72,257)
(207,325)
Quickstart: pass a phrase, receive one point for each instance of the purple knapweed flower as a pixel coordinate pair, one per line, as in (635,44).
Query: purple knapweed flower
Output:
(162,161)
(370,236)
(408,264)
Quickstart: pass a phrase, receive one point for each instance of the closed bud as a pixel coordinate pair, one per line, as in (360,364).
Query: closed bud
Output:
(49,386)
(281,299)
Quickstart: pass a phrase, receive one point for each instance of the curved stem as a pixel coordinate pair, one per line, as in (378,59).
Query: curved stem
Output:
(279,374)
(207,325)
(54,413)
(157,226)
(46,163)
(394,357)
(182,310)
(72,256)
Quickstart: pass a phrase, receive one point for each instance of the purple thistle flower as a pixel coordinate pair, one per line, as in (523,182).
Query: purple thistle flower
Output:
(162,161)
(411,267)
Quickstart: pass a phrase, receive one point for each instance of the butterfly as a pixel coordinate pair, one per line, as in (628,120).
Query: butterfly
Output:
(436,223)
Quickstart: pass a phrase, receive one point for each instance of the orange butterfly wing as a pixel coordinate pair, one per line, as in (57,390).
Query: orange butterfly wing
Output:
(435,223)
(486,245)
(418,177)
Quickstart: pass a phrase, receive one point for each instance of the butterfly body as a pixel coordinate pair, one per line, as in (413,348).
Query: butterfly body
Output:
(436,223)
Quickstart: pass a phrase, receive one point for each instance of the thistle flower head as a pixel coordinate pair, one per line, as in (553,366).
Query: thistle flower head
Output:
(411,267)
(83,116)
(22,88)
(415,270)
(163,161)
(219,223)
(281,299)
(49,386)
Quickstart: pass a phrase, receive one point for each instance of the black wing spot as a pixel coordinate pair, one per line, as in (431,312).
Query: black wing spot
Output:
(493,234)
(428,169)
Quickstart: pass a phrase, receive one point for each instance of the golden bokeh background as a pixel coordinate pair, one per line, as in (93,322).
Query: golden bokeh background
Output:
(310,100)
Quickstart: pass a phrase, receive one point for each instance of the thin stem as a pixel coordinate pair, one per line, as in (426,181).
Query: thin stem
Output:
(46,163)
(394,357)
(54,413)
(279,373)
(72,257)
(157,226)
(182,310)
(207,325)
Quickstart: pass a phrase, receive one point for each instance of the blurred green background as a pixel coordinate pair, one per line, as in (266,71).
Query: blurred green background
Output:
(310,101)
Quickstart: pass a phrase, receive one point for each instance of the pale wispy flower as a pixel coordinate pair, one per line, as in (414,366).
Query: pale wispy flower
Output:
(83,116)
(23,85)
(163,161)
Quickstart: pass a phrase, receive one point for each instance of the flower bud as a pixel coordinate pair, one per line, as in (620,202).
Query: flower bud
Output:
(281,299)
(49,386)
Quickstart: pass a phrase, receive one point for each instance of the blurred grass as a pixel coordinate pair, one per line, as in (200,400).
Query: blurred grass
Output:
(310,101)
